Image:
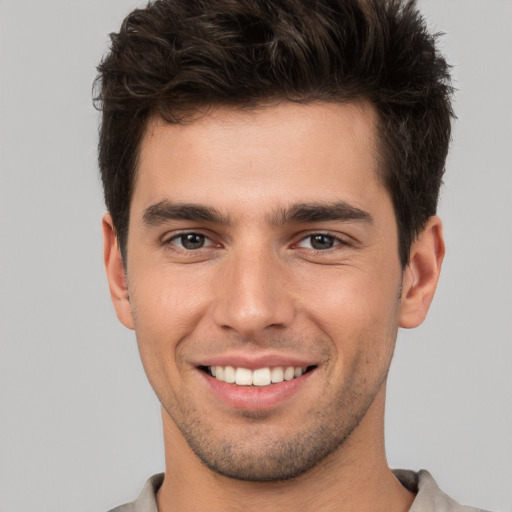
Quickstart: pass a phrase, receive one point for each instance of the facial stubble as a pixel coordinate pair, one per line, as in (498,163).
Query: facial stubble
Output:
(263,453)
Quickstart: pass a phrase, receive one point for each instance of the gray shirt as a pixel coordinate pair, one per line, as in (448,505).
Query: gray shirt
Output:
(429,498)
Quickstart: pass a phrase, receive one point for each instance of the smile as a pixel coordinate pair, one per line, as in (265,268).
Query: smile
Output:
(260,377)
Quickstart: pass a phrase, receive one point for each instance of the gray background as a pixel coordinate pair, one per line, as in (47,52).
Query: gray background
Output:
(79,426)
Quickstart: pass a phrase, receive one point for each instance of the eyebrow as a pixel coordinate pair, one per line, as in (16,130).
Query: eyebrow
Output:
(164,211)
(321,212)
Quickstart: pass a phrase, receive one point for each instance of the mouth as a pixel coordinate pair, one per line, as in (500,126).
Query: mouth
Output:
(259,377)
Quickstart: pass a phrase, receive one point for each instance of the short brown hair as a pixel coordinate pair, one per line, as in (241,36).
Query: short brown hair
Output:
(175,57)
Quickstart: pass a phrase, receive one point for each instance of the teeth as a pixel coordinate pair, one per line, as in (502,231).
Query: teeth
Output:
(243,377)
(289,373)
(259,377)
(276,374)
(229,374)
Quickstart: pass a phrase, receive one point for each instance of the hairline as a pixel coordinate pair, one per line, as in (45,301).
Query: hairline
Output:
(198,110)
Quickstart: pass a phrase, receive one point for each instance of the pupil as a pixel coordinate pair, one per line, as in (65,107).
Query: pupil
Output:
(322,241)
(192,241)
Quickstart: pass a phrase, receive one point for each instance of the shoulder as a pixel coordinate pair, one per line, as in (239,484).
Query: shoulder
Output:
(146,502)
(127,507)
(429,497)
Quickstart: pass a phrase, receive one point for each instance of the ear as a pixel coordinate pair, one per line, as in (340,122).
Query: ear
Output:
(422,273)
(116,274)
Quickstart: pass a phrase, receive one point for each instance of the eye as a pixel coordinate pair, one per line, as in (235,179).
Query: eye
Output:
(319,242)
(191,241)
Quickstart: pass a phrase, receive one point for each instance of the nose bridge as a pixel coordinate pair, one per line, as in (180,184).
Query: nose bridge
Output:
(252,294)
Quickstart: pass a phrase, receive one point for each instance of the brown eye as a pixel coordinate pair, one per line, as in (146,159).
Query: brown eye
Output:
(321,242)
(189,241)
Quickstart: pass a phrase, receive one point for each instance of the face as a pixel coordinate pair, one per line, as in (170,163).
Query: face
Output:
(263,282)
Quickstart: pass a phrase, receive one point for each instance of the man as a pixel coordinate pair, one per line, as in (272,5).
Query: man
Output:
(271,173)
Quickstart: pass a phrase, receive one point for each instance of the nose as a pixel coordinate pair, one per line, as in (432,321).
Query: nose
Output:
(253,294)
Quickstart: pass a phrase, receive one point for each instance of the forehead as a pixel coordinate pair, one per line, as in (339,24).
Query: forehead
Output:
(301,152)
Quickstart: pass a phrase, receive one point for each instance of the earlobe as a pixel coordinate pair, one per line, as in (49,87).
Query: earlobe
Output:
(116,273)
(422,274)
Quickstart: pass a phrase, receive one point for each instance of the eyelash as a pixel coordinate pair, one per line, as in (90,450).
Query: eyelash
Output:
(181,236)
(336,241)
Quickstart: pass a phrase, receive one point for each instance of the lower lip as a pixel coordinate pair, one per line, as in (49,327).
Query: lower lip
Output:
(254,398)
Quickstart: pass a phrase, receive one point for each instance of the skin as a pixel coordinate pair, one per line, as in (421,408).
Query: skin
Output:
(261,288)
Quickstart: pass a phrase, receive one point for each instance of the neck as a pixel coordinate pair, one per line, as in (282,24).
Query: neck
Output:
(354,477)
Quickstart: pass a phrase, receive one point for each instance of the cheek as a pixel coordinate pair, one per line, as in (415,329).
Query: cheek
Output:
(358,311)
(166,298)
(353,292)
(166,308)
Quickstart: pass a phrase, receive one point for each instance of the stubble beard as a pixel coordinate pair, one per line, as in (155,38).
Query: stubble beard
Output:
(260,452)
(261,455)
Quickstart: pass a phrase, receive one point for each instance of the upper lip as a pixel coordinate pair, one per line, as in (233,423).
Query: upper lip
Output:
(255,361)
